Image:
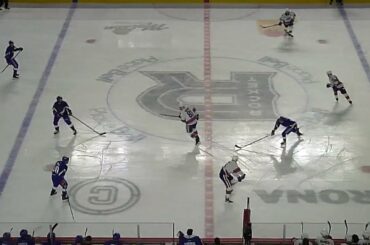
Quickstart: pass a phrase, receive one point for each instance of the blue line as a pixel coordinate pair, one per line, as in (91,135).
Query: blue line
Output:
(35,100)
(356,43)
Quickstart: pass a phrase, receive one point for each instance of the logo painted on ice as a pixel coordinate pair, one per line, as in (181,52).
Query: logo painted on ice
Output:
(329,196)
(246,96)
(124,29)
(104,196)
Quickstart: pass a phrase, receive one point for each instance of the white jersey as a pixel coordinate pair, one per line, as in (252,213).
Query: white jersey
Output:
(288,19)
(189,116)
(324,241)
(231,168)
(364,242)
(334,82)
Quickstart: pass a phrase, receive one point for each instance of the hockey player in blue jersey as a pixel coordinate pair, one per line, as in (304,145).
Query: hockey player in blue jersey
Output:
(61,110)
(9,57)
(57,177)
(189,238)
(25,238)
(290,126)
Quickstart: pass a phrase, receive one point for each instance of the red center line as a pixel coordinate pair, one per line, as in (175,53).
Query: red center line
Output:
(208,171)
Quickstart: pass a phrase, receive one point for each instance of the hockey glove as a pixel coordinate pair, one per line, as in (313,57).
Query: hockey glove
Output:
(272,132)
(328,85)
(280,23)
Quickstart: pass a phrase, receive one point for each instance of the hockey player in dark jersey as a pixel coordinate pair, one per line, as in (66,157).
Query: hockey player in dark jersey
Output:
(189,238)
(57,177)
(25,238)
(337,85)
(9,57)
(290,126)
(61,110)
(116,240)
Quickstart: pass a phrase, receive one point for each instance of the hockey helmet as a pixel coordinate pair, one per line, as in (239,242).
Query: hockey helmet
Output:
(287,12)
(23,233)
(235,158)
(59,98)
(116,236)
(79,239)
(329,73)
(6,235)
(366,235)
(65,159)
(11,42)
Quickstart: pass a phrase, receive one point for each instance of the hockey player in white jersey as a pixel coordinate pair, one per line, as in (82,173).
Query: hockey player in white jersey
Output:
(190,117)
(287,19)
(337,86)
(366,238)
(324,239)
(227,174)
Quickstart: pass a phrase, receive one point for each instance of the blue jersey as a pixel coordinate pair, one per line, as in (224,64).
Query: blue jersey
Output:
(60,169)
(61,108)
(9,53)
(113,242)
(286,122)
(25,240)
(190,240)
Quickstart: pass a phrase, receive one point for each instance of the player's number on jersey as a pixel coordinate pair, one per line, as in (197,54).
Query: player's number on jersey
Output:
(56,169)
(189,112)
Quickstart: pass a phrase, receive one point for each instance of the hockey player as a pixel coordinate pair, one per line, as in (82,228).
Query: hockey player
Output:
(190,117)
(227,174)
(189,238)
(6,239)
(288,20)
(115,240)
(337,85)
(57,177)
(10,59)
(25,238)
(339,2)
(61,110)
(291,126)
(6,4)
(366,238)
(324,239)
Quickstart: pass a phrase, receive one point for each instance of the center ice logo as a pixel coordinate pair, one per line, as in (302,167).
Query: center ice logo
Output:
(124,29)
(245,96)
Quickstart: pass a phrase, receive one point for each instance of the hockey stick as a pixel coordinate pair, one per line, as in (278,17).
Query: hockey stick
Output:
(12,58)
(54,226)
(70,208)
(289,34)
(367,226)
(168,115)
(329,227)
(85,231)
(88,126)
(10,231)
(302,227)
(270,25)
(241,147)
(345,223)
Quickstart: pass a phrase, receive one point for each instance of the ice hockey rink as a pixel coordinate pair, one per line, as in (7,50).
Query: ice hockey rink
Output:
(120,68)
